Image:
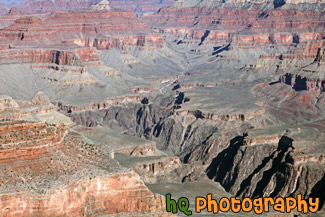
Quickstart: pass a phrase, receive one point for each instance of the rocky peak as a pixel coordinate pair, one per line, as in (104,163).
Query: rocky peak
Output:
(41,99)
(103,5)
(29,20)
(14,11)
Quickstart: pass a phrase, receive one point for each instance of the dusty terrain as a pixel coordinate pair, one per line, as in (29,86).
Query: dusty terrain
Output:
(104,110)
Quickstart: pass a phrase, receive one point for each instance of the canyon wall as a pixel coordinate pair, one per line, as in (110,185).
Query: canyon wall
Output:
(241,27)
(50,172)
(269,164)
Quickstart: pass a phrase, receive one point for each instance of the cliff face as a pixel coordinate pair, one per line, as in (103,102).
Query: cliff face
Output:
(9,16)
(42,56)
(243,28)
(96,24)
(63,47)
(277,172)
(232,91)
(87,198)
(28,146)
(151,40)
(298,82)
(50,172)
(68,42)
(268,159)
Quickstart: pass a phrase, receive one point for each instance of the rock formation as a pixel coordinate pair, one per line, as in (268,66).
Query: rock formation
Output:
(103,5)
(49,163)
(202,93)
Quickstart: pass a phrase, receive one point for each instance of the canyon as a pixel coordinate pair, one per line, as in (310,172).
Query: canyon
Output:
(106,106)
(44,6)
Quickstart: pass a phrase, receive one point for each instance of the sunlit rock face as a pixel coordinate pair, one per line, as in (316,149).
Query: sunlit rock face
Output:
(50,172)
(100,102)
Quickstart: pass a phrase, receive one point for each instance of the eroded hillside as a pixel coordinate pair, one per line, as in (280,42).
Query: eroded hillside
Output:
(202,94)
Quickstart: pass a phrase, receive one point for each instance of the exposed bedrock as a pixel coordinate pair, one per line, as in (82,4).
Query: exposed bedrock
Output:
(267,170)
(298,82)
(58,57)
(214,24)
(121,41)
(94,28)
(134,117)
(47,167)
(245,165)
(192,136)
(106,104)
(305,57)
(156,169)
(72,61)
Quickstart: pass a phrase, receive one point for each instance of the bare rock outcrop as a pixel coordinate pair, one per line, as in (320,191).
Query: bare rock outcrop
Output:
(48,168)
(216,22)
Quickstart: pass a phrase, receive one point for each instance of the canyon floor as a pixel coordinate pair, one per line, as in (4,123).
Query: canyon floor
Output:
(106,107)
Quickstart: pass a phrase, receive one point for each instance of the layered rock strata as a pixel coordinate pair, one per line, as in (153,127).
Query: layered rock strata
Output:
(50,172)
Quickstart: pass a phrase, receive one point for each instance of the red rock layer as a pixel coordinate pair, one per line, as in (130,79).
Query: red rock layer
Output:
(102,29)
(7,19)
(120,193)
(242,27)
(295,57)
(118,41)
(46,172)
(75,57)
(15,11)
(21,140)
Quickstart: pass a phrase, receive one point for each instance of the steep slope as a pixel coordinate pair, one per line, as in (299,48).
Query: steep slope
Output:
(47,167)
(248,108)
(72,48)
(234,89)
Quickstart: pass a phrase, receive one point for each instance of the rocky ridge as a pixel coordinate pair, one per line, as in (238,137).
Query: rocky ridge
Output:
(246,87)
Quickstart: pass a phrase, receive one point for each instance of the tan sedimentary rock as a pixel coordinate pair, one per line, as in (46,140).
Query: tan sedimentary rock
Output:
(150,169)
(100,105)
(222,117)
(140,90)
(266,139)
(9,109)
